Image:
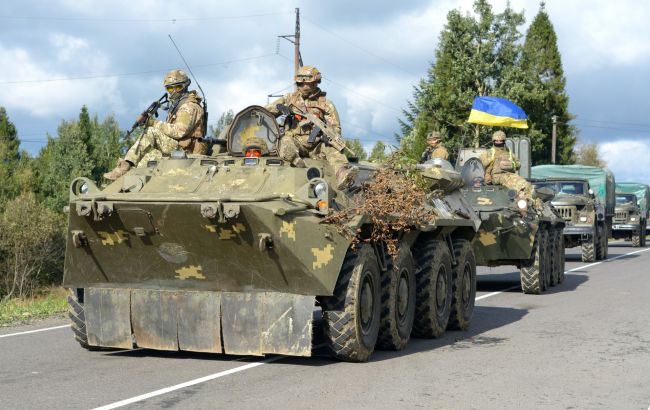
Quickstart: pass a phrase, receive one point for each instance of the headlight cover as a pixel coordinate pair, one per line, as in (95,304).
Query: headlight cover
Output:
(320,190)
(522,204)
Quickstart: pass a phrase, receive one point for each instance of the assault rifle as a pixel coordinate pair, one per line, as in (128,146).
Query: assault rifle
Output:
(146,114)
(327,135)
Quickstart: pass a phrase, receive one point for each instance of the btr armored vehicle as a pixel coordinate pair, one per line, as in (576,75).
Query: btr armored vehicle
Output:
(513,231)
(232,253)
(585,200)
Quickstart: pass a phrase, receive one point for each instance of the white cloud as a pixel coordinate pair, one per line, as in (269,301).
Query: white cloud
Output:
(47,98)
(625,158)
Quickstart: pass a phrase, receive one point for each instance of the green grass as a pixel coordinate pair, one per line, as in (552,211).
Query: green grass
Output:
(16,311)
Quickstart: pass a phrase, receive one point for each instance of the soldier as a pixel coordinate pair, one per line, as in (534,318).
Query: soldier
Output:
(434,148)
(183,128)
(294,145)
(501,166)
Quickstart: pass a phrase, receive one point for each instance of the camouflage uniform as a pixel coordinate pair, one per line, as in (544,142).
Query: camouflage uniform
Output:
(182,129)
(501,166)
(294,145)
(437,150)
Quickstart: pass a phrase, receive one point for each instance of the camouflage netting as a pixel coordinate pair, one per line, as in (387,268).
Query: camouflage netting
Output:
(393,202)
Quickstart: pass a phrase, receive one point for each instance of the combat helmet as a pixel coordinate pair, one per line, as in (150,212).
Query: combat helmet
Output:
(499,136)
(176,77)
(308,74)
(434,136)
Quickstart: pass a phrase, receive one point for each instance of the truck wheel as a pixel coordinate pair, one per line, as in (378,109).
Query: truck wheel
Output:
(463,285)
(588,249)
(562,256)
(605,242)
(599,242)
(643,233)
(351,314)
(532,271)
(397,302)
(636,239)
(433,288)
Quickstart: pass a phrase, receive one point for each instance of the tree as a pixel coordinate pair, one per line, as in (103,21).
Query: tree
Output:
(544,95)
(472,58)
(106,144)
(355,146)
(224,121)
(9,157)
(32,245)
(378,153)
(587,154)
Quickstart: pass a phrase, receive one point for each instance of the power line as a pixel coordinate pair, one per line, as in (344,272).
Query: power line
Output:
(96,76)
(142,20)
(370,53)
(613,128)
(362,95)
(613,122)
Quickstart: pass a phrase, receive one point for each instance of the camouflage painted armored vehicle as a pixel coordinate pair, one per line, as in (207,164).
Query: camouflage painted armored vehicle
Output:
(629,221)
(585,200)
(231,253)
(512,231)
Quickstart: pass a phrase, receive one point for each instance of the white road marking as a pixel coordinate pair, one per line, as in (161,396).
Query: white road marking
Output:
(496,293)
(34,331)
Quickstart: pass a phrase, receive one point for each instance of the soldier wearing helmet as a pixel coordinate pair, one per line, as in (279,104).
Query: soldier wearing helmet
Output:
(501,167)
(434,148)
(294,145)
(182,129)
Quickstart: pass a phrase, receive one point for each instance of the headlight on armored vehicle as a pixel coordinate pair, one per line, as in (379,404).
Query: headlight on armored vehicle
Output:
(83,189)
(522,204)
(320,190)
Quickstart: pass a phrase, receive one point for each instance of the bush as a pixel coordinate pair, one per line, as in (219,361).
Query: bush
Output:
(31,247)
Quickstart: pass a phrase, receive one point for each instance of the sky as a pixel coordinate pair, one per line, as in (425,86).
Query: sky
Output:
(111,56)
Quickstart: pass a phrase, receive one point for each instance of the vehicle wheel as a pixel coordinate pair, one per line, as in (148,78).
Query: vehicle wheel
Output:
(545,266)
(463,284)
(397,302)
(351,315)
(78,319)
(532,271)
(643,233)
(605,241)
(562,256)
(636,239)
(589,249)
(599,242)
(433,288)
(555,262)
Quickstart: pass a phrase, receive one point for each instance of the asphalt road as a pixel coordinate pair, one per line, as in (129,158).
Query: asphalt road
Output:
(584,344)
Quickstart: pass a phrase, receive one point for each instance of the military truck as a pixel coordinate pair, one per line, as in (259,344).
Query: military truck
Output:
(629,220)
(512,231)
(231,253)
(585,200)
(642,192)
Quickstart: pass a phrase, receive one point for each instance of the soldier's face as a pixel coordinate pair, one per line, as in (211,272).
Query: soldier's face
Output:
(433,143)
(306,88)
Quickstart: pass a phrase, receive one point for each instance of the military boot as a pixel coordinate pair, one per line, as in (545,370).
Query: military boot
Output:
(345,176)
(122,168)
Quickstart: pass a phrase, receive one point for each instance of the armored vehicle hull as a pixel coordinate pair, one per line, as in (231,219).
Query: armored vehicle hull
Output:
(232,253)
(512,231)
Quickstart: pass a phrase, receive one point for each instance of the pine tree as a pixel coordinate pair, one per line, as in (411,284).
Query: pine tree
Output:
(225,119)
(472,57)
(9,157)
(545,94)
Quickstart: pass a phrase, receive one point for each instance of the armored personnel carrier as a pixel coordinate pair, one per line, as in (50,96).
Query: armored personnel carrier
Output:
(232,253)
(512,231)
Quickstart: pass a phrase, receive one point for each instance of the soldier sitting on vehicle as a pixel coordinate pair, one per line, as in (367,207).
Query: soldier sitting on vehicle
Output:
(434,148)
(183,128)
(501,166)
(295,143)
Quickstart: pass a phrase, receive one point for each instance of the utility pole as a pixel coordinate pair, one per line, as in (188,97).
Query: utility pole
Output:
(554,139)
(295,40)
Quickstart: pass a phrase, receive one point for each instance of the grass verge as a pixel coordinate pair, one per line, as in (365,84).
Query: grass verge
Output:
(17,311)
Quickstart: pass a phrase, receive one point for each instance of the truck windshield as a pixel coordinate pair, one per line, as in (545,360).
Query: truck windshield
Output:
(624,199)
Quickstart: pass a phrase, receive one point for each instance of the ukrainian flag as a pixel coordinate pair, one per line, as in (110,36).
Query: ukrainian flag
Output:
(497,112)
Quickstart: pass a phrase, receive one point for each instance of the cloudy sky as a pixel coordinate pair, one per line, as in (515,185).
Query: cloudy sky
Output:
(61,54)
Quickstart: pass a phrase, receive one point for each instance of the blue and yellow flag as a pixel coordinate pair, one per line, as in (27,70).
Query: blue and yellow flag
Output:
(497,112)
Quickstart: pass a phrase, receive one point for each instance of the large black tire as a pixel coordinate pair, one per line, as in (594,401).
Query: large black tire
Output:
(562,253)
(397,302)
(555,261)
(463,286)
(78,319)
(351,314)
(643,233)
(546,268)
(532,271)
(599,243)
(589,249)
(636,239)
(433,288)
